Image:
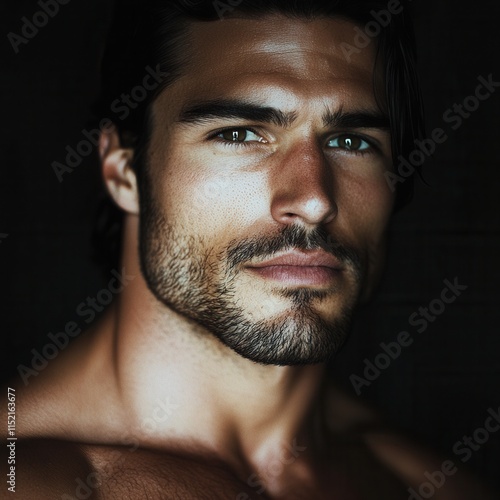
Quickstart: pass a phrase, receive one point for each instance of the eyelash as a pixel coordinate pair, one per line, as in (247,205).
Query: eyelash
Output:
(235,144)
(232,144)
(373,148)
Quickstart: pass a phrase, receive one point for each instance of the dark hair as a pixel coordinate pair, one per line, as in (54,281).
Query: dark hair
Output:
(152,34)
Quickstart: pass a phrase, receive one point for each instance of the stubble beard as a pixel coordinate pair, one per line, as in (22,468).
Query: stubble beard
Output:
(182,273)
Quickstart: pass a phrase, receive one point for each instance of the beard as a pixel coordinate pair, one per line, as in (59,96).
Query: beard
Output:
(200,283)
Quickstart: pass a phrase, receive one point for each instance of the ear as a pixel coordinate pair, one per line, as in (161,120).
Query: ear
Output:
(117,172)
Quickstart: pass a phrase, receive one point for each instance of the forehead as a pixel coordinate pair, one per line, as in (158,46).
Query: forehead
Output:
(276,56)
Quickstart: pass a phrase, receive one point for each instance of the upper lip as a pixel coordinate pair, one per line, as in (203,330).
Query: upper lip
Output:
(305,259)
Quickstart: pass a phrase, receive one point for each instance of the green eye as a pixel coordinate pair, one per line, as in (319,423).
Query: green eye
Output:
(349,143)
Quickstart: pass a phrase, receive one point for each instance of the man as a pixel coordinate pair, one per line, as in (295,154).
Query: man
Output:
(255,182)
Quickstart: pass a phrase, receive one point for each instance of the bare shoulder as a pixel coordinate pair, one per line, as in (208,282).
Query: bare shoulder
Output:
(387,453)
(424,473)
(51,470)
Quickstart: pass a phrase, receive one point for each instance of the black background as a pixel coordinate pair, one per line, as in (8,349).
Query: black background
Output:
(441,387)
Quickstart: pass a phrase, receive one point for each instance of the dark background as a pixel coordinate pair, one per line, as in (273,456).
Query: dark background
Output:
(441,387)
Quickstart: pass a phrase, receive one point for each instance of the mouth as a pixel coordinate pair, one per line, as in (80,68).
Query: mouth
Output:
(314,268)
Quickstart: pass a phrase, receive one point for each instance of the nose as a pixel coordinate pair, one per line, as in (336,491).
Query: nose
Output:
(303,187)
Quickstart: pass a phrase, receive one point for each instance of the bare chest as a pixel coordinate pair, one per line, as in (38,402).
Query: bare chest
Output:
(349,476)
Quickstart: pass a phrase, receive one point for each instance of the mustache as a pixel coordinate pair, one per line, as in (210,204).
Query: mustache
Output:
(293,237)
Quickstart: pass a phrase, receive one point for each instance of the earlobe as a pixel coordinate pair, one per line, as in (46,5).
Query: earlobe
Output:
(117,171)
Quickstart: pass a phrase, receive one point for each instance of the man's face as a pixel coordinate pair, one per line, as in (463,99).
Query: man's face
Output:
(266,202)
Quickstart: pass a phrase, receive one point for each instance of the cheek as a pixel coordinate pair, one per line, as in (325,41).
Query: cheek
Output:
(367,198)
(378,207)
(365,208)
(211,202)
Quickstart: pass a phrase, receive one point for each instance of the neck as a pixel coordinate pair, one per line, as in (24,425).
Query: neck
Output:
(180,384)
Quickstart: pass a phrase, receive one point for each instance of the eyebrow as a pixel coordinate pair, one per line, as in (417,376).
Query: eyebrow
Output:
(211,110)
(203,112)
(356,119)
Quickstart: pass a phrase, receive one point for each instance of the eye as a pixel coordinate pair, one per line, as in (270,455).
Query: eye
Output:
(238,135)
(349,142)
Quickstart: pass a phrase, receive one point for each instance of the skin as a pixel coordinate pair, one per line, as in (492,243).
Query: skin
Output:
(147,376)
(283,176)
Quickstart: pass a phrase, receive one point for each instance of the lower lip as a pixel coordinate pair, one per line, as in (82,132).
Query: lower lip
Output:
(298,275)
